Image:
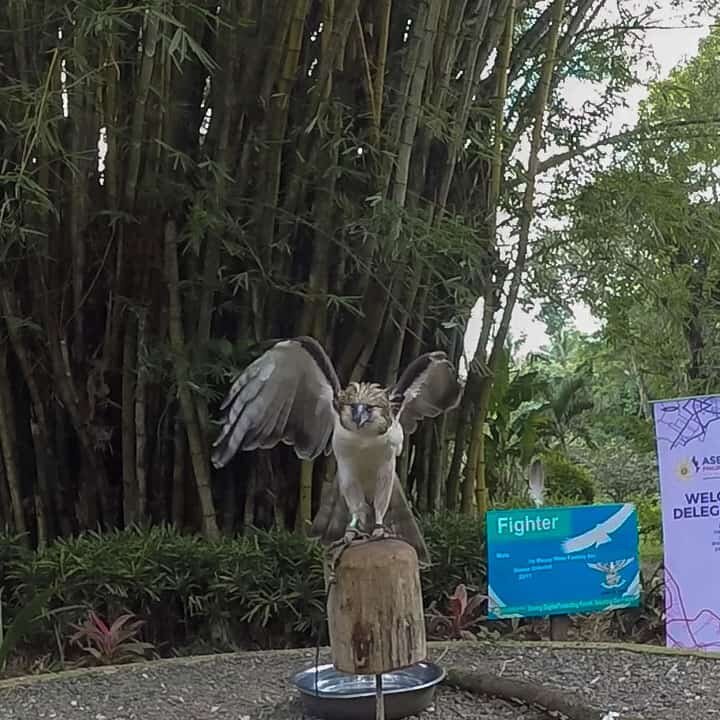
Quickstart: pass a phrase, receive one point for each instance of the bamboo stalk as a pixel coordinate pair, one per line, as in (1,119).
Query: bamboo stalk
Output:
(542,94)
(473,491)
(405,73)
(467,414)
(248,517)
(5,502)
(230,509)
(177,512)
(448,51)
(398,319)
(198,455)
(414,103)
(110,110)
(141,418)
(369,89)
(39,426)
(130,490)
(437,463)
(78,204)
(8,445)
(477,58)
(500,96)
(150,38)
(384,9)
(270,175)
(304,511)
(211,263)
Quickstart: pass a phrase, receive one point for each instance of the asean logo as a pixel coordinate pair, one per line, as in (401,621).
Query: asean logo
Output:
(686,469)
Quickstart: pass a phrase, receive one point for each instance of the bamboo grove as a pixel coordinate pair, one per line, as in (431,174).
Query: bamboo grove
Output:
(183,180)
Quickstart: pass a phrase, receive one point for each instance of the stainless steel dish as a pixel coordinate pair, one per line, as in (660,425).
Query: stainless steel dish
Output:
(332,695)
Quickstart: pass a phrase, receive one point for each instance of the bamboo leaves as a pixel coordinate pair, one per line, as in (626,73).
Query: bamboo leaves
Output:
(182,174)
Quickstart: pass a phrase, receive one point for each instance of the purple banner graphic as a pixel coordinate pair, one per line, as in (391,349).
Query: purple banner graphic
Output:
(687,432)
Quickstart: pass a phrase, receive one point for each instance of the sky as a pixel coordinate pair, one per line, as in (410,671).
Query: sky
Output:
(675,43)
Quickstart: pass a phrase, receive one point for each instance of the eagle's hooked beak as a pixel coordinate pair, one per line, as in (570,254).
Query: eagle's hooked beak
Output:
(360,414)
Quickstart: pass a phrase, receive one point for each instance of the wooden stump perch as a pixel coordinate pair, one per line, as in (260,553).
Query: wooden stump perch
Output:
(375,609)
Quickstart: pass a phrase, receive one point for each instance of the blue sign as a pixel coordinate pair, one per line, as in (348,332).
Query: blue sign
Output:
(562,560)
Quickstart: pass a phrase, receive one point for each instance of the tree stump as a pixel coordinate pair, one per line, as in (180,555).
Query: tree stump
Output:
(375,609)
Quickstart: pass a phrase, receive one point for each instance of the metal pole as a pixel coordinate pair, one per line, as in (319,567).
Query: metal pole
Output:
(379,698)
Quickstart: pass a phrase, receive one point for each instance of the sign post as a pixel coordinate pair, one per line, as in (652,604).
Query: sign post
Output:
(562,560)
(687,432)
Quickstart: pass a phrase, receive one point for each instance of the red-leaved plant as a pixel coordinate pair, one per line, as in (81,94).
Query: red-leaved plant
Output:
(110,644)
(461,615)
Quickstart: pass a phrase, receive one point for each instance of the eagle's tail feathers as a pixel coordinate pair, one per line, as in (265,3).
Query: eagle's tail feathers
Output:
(401,522)
(333,516)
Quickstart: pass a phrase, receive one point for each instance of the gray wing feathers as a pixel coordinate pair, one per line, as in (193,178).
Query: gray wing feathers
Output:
(428,387)
(286,395)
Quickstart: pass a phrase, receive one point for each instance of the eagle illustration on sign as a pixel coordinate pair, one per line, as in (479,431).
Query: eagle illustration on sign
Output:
(611,571)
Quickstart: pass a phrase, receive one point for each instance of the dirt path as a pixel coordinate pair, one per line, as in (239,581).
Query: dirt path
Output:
(652,684)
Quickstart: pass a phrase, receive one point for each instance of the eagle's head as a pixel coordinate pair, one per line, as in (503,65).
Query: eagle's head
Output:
(364,408)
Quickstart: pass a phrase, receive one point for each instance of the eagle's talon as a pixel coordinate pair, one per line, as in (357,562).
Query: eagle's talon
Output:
(335,550)
(351,534)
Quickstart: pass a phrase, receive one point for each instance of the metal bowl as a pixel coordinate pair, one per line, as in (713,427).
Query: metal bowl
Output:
(332,695)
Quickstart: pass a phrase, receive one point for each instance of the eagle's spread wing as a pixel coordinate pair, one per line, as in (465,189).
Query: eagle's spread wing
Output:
(428,387)
(286,395)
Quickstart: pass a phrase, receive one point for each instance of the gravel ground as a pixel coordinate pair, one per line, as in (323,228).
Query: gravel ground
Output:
(254,686)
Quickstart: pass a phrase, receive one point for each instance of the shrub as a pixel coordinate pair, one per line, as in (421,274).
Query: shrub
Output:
(566,483)
(262,590)
(186,588)
(457,550)
(649,519)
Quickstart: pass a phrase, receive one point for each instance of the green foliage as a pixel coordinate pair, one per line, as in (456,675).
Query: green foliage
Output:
(649,520)
(261,590)
(621,470)
(263,585)
(539,405)
(639,240)
(566,483)
(26,619)
(457,551)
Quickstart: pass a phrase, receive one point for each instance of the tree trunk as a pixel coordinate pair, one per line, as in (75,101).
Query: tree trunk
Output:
(375,609)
